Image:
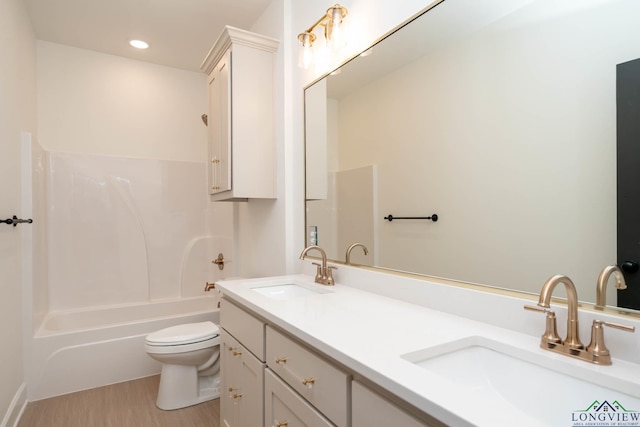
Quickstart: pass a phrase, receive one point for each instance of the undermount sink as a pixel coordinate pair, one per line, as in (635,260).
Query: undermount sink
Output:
(544,388)
(286,291)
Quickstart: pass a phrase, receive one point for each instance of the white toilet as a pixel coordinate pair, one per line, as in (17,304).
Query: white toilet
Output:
(190,357)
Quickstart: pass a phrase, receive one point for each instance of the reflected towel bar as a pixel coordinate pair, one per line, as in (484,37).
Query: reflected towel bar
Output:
(433,217)
(15,221)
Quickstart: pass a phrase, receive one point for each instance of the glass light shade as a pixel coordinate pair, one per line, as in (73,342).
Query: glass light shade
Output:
(334,31)
(305,54)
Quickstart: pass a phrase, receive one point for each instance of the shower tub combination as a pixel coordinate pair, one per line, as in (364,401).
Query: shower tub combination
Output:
(82,349)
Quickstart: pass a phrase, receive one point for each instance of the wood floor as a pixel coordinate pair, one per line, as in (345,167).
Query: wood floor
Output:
(128,404)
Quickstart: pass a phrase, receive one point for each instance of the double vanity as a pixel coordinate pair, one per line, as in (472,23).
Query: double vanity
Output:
(433,354)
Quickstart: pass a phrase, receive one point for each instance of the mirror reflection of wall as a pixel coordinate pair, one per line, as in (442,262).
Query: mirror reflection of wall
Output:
(507,133)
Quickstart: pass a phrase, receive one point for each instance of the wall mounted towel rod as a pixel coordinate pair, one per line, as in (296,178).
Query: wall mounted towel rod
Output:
(15,221)
(433,217)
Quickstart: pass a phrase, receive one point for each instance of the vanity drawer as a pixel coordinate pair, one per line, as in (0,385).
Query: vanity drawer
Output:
(322,384)
(244,327)
(284,407)
(369,409)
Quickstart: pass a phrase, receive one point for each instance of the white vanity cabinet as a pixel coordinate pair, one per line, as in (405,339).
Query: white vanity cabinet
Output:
(270,378)
(241,160)
(242,368)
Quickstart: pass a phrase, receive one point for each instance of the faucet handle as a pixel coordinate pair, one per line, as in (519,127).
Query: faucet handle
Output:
(617,326)
(319,272)
(329,273)
(596,348)
(550,337)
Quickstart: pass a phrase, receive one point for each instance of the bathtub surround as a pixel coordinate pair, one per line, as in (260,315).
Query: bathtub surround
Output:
(124,230)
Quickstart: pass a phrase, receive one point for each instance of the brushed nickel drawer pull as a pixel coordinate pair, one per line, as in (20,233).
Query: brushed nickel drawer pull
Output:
(281,360)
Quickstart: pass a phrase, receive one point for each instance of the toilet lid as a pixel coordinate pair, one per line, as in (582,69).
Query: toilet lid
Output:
(184,334)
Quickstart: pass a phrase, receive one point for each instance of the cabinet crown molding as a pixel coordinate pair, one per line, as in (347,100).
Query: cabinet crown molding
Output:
(232,35)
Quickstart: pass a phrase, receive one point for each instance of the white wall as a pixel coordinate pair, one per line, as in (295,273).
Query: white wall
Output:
(90,102)
(17,114)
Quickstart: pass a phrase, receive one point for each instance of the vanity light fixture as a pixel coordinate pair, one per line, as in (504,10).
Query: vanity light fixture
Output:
(139,44)
(333,34)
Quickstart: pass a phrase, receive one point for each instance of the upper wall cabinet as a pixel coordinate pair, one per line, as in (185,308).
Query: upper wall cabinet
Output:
(241,163)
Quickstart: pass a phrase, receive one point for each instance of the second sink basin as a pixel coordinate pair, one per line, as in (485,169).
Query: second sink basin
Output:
(535,385)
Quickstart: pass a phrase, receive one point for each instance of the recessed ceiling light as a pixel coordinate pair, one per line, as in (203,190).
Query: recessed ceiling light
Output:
(139,44)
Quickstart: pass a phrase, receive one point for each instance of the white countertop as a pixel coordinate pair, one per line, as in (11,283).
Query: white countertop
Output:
(368,333)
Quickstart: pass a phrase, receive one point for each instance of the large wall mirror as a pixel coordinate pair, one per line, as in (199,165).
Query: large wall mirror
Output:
(498,116)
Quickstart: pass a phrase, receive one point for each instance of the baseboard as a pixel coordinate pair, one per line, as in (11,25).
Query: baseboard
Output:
(12,417)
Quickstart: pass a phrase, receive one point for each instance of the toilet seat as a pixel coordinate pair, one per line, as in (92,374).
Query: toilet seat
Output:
(188,333)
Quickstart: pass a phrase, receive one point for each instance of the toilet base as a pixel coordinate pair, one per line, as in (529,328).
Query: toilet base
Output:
(180,386)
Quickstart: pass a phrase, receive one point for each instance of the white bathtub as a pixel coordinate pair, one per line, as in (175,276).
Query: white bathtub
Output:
(82,349)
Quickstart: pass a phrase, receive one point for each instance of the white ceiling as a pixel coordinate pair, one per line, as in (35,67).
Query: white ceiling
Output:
(180,32)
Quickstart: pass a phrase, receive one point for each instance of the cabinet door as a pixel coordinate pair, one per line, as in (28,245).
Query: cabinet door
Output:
(229,379)
(284,407)
(251,404)
(370,409)
(220,126)
(242,378)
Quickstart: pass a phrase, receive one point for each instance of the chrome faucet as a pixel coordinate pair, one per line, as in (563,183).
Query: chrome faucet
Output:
(596,352)
(603,279)
(350,248)
(324,274)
